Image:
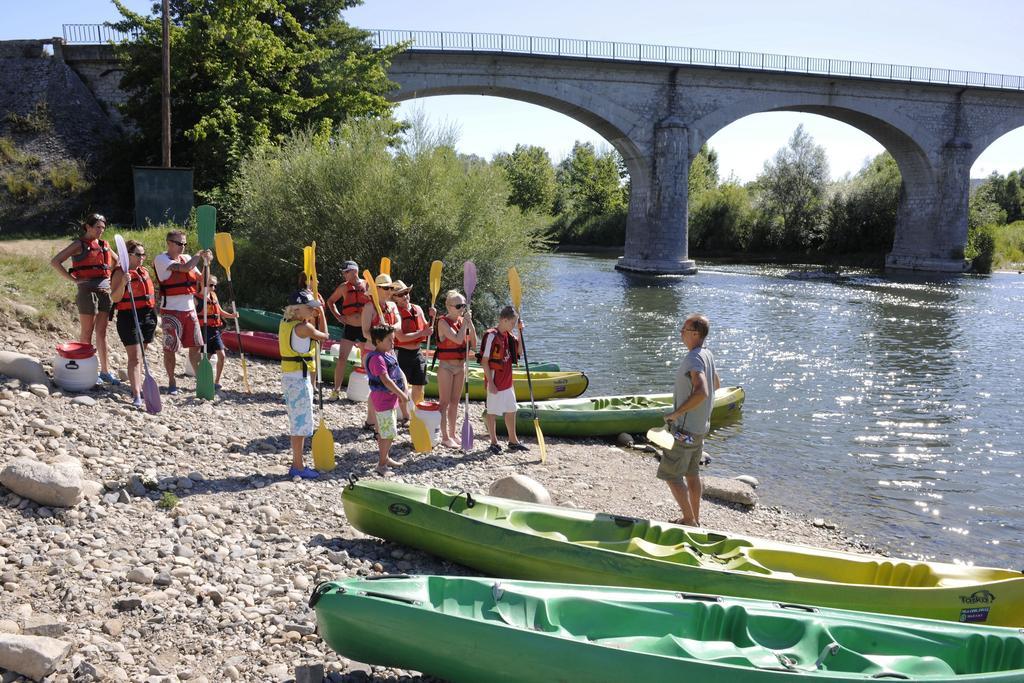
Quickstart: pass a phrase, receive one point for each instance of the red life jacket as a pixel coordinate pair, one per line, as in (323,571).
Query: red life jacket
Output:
(94,261)
(446,348)
(179,282)
(503,353)
(140,291)
(213,318)
(390,317)
(355,297)
(412,322)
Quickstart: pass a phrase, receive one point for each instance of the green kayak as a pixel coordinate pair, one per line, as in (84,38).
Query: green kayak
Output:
(270,321)
(473,629)
(610,415)
(541,542)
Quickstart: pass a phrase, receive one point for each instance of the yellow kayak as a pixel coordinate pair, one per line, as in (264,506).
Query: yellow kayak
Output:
(546,385)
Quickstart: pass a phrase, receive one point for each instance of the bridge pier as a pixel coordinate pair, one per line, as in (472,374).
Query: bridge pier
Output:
(931,227)
(656,227)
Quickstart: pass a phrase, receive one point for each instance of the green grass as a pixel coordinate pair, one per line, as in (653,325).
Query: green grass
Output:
(67,177)
(36,121)
(168,501)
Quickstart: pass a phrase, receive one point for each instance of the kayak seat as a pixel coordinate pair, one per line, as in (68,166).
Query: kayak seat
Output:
(638,546)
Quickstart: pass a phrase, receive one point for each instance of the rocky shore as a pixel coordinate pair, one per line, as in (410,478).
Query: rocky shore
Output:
(191,555)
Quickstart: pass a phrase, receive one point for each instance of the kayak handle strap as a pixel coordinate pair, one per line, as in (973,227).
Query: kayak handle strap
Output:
(388,596)
(320,590)
(352,479)
(891,674)
(469,500)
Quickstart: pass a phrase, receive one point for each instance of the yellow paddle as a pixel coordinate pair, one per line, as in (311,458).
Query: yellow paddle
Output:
(435,287)
(323,439)
(417,427)
(516,287)
(385,266)
(226,257)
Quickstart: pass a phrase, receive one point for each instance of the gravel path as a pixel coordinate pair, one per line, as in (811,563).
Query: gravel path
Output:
(216,588)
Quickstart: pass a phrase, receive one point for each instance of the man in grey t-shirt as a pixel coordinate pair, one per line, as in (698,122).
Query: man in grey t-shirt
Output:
(693,398)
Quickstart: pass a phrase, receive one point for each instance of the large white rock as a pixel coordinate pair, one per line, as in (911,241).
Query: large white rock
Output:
(729,490)
(34,656)
(23,367)
(45,484)
(520,487)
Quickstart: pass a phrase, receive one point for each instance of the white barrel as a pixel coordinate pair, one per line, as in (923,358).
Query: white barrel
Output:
(430,413)
(358,386)
(76,374)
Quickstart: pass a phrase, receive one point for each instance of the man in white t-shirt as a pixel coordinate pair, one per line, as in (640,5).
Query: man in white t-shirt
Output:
(179,279)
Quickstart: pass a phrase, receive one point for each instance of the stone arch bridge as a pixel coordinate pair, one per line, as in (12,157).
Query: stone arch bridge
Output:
(657,105)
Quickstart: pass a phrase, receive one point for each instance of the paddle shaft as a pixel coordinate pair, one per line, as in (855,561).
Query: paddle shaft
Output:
(238,333)
(526,362)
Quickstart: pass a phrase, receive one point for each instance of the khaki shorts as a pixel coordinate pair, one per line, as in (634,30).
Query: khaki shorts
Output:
(682,461)
(93,301)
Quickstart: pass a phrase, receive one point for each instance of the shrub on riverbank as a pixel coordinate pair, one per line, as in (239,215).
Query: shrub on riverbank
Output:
(361,197)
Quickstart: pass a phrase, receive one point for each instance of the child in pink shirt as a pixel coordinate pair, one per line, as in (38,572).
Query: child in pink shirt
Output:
(387,385)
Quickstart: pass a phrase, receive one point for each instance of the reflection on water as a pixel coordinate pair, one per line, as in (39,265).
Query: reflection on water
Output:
(888,404)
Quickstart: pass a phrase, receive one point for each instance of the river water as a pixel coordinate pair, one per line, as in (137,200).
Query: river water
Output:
(889,405)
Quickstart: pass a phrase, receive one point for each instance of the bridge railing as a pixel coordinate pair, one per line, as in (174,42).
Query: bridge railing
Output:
(634,52)
(688,56)
(93,34)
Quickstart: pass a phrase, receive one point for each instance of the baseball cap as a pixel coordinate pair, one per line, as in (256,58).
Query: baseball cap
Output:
(304,297)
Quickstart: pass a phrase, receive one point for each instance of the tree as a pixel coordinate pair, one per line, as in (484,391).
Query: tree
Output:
(791,192)
(245,73)
(861,212)
(531,177)
(592,181)
(703,173)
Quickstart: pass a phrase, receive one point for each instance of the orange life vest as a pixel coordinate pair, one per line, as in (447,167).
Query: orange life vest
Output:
(94,261)
(355,297)
(412,322)
(140,291)
(213,312)
(446,348)
(179,282)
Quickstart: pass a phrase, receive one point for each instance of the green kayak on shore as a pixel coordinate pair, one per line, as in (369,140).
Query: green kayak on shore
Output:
(611,415)
(519,540)
(472,629)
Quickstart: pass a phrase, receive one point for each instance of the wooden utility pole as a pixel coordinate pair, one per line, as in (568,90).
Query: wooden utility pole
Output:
(165,87)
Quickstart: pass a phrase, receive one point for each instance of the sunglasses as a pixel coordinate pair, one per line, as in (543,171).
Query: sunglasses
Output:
(180,244)
(403,295)
(458,306)
(140,254)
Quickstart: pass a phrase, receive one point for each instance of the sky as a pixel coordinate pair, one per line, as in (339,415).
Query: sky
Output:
(981,36)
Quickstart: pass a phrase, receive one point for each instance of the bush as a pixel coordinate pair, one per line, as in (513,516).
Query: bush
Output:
(722,219)
(605,230)
(360,198)
(983,246)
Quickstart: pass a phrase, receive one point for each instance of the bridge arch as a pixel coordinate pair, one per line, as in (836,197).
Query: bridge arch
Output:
(569,101)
